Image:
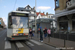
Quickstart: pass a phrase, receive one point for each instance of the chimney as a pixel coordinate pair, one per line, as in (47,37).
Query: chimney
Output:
(47,13)
(39,12)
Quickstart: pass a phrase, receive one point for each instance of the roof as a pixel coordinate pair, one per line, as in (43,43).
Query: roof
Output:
(64,13)
(46,20)
(37,13)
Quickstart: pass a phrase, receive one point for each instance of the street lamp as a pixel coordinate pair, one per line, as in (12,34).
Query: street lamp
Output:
(35,18)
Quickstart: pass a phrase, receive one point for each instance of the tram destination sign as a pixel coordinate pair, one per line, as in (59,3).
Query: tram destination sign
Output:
(19,14)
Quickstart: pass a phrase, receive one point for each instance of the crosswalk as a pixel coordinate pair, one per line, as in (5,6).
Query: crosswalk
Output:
(7,45)
(20,45)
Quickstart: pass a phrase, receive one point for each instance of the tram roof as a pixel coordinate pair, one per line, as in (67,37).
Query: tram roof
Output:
(20,11)
(24,12)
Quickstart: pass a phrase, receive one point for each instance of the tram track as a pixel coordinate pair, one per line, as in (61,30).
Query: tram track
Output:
(27,45)
(17,45)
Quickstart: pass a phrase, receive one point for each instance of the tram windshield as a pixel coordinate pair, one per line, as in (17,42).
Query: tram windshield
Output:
(18,22)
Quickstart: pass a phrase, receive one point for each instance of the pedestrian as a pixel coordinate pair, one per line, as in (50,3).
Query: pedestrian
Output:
(33,31)
(41,35)
(38,32)
(49,32)
(45,32)
(30,32)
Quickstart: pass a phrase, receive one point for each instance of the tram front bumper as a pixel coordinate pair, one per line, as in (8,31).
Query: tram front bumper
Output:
(18,38)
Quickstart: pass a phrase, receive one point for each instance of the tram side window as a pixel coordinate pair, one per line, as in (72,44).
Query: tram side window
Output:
(9,22)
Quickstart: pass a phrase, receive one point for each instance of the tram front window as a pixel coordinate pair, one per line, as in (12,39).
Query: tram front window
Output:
(18,22)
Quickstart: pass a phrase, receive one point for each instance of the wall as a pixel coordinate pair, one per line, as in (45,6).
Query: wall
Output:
(62,5)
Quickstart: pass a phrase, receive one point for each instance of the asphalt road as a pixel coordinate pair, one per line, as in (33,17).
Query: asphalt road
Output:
(21,45)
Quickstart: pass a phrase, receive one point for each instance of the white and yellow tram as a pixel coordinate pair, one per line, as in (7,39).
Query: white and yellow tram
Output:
(18,23)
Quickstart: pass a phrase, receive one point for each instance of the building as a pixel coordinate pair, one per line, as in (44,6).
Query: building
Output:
(42,22)
(2,24)
(65,19)
(43,15)
(40,15)
(28,9)
(47,16)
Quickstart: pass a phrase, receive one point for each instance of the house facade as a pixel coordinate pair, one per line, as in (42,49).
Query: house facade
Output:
(65,19)
(28,9)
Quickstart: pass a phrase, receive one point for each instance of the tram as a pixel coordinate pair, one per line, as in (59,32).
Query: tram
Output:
(18,25)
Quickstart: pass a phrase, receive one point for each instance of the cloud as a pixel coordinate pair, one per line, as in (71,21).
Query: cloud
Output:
(0,0)
(4,6)
(53,9)
(44,7)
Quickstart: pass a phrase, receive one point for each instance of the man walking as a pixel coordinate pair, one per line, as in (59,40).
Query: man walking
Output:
(41,35)
(45,32)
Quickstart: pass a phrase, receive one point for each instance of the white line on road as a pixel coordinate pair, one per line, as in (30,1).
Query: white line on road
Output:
(19,45)
(29,43)
(7,45)
(38,43)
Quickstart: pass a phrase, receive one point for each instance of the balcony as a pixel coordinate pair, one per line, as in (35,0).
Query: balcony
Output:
(70,4)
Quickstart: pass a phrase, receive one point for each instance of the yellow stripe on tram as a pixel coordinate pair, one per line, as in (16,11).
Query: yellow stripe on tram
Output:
(20,30)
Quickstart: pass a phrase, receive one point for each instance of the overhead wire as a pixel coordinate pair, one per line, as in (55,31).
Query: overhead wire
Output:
(15,4)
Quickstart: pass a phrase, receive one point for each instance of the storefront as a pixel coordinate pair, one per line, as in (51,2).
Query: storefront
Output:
(65,25)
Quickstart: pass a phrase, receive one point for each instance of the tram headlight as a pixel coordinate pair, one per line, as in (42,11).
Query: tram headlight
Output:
(14,34)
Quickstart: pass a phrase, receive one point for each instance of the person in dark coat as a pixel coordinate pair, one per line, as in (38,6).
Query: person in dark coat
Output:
(45,32)
(41,35)
(30,32)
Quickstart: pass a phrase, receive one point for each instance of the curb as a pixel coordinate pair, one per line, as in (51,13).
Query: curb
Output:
(52,46)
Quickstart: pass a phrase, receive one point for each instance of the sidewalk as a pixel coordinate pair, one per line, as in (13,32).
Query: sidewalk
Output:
(1,29)
(59,43)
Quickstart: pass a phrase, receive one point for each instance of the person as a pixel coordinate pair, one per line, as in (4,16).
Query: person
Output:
(49,32)
(45,32)
(38,32)
(30,32)
(41,35)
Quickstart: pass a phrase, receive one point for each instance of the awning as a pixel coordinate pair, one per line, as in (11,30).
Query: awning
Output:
(64,13)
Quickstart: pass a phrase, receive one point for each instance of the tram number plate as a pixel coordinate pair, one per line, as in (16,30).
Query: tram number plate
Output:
(20,34)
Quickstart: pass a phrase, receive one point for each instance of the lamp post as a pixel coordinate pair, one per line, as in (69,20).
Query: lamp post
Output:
(35,18)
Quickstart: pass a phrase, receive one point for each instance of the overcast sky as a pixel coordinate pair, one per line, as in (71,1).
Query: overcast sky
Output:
(41,5)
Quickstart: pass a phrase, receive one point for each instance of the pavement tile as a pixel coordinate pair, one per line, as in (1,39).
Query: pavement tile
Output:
(59,43)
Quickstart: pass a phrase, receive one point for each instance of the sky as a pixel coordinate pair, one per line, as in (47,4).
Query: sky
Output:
(7,6)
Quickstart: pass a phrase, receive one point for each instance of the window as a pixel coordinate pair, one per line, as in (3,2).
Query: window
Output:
(63,25)
(18,22)
(57,3)
(73,24)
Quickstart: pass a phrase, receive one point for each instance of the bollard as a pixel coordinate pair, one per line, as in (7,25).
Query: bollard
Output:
(49,39)
(64,42)
(64,39)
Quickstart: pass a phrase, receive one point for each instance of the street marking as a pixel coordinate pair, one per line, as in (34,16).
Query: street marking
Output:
(19,45)
(7,45)
(38,43)
(29,43)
